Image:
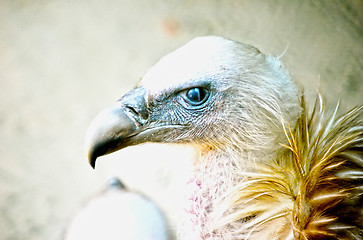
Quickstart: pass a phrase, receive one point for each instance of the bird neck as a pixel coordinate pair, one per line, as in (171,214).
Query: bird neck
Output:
(215,171)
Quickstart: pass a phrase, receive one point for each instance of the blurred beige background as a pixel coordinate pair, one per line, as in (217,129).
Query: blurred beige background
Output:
(61,62)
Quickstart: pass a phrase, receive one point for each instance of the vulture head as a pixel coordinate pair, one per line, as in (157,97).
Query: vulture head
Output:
(266,167)
(213,93)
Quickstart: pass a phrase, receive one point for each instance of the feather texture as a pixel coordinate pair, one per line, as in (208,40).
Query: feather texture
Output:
(266,167)
(313,188)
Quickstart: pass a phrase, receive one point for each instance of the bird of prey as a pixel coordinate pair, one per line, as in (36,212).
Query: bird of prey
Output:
(266,166)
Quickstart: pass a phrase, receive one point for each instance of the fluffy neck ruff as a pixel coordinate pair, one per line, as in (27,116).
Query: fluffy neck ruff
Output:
(216,173)
(304,189)
(213,175)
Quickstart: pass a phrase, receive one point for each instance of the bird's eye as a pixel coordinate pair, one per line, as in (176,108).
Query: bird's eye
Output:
(196,96)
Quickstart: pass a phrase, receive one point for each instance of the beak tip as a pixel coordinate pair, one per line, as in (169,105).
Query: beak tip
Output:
(92,157)
(90,154)
(92,162)
(106,133)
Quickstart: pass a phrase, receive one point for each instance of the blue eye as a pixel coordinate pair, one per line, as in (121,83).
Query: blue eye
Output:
(196,96)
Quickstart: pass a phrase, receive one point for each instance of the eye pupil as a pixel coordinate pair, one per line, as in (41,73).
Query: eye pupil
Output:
(196,95)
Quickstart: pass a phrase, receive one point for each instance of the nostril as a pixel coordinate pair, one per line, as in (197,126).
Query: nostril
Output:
(135,114)
(133,110)
(134,103)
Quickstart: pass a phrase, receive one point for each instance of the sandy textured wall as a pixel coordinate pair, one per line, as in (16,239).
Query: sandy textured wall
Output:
(63,61)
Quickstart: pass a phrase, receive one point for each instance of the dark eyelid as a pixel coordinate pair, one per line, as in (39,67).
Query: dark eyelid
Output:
(198,84)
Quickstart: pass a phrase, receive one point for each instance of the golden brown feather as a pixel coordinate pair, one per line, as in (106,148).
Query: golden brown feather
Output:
(312,190)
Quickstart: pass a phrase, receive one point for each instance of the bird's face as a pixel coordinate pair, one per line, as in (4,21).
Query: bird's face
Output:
(193,95)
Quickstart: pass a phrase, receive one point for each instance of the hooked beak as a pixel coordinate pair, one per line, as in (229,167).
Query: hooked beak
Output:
(109,132)
(127,123)
(118,126)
